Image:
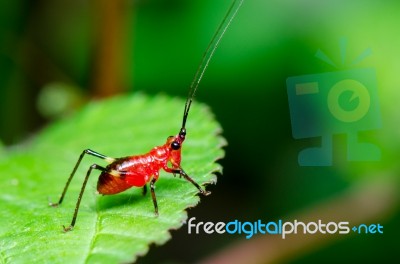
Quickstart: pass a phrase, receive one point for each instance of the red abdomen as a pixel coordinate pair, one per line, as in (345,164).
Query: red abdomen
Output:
(127,172)
(109,184)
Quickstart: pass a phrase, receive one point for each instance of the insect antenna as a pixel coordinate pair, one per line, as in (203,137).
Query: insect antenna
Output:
(205,60)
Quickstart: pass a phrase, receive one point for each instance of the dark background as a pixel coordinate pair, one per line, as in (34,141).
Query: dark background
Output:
(57,55)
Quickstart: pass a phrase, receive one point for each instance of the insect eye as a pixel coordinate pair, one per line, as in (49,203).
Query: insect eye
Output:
(175,145)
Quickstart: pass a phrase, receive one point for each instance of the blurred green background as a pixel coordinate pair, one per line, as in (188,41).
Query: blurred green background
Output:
(57,55)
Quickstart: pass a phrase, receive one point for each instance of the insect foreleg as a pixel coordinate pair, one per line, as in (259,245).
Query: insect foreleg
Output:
(94,166)
(183,174)
(86,151)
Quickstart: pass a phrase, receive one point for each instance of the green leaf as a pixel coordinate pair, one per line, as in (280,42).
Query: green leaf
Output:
(109,229)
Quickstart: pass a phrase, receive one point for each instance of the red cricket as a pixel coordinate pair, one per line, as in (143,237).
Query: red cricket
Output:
(138,170)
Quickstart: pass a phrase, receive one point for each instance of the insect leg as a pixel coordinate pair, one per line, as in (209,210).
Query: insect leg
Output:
(94,166)
(144,189)
(182,173)
(153,195)
(86,151)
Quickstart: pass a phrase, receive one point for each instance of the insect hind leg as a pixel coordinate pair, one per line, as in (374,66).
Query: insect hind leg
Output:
(86,151)
(94,166)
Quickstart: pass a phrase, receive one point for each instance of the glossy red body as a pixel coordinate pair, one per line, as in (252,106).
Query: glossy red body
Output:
(124,173)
